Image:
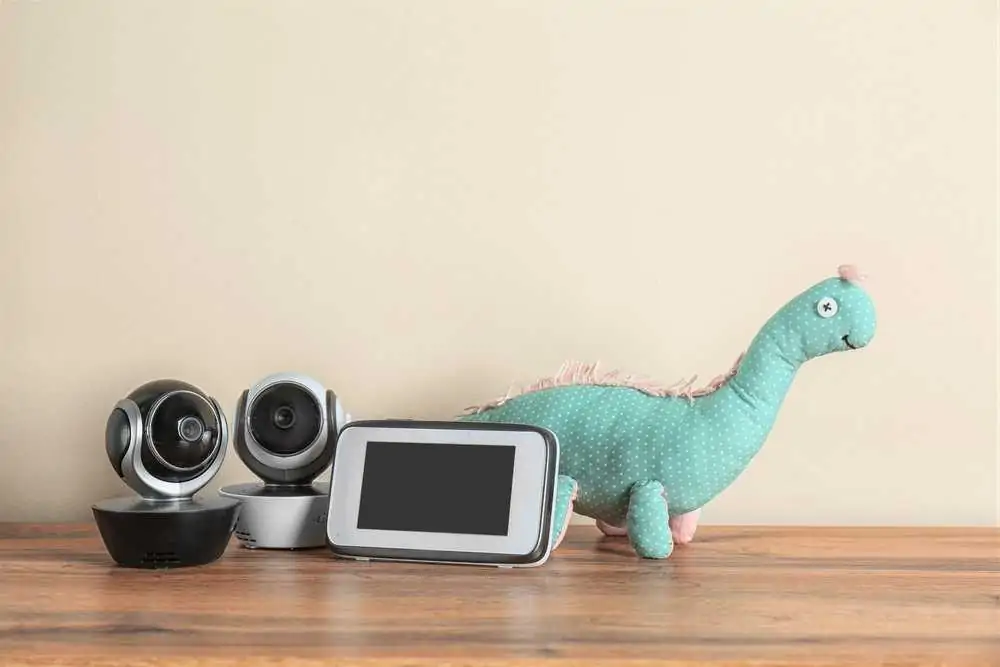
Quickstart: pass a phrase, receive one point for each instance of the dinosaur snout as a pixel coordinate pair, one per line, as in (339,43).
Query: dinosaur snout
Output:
(859,337)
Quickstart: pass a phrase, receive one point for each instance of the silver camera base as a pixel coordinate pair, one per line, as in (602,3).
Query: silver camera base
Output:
(280,516)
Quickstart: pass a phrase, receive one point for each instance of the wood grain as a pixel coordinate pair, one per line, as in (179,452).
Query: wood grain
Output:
(736,596)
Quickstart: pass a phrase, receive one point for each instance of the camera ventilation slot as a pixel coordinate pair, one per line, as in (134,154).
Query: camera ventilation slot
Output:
(163,558)
(245,536)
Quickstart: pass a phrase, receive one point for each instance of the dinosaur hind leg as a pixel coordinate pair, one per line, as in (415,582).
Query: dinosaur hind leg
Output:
(683,526)
(648,520)
(566,490)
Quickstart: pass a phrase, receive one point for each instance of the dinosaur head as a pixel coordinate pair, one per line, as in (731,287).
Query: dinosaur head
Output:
(834,315)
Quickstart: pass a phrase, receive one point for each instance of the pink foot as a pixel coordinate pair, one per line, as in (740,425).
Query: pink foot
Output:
(684,526)
(611,531)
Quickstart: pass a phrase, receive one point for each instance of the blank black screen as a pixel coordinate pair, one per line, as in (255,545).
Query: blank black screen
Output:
(440,488)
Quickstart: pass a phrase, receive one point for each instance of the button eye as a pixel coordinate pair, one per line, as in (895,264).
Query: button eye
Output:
(827,307)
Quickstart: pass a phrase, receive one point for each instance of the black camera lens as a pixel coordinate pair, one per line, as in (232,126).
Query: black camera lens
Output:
(284,418)
(183,432)
(190,429)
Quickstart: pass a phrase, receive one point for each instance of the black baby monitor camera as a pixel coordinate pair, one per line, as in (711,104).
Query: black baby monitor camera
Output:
(166,440)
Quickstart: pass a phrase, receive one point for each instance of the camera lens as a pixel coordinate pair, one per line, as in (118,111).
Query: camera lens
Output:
(284,419)
(183,432)
(190,429)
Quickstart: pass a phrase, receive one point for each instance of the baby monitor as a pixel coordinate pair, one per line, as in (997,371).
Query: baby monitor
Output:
(285,431)
(451,492)
(166,440)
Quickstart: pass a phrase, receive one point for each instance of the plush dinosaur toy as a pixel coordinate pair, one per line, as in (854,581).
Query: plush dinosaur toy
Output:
(641,459)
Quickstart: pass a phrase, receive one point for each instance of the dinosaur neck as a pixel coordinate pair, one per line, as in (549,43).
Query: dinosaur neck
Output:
(765,375)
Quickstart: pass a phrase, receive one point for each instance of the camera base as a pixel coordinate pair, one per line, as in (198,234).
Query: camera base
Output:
(280,516)
(155,534)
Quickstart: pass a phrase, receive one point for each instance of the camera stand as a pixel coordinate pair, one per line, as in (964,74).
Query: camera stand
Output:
(160,534)
(280,516)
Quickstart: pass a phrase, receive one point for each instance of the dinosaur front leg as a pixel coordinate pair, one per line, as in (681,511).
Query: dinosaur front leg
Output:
(647,520)
(566,490)
(683,526)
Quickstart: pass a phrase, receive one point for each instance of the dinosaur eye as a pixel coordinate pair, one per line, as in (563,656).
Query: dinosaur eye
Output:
(827,307)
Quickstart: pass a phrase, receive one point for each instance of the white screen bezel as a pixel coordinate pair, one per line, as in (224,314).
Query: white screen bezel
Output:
(527,504)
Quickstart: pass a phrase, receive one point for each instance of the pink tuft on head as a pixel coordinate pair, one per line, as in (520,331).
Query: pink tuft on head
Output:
(850,273)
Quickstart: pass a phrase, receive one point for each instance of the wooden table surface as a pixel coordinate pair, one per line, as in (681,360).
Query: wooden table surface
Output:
(736,596)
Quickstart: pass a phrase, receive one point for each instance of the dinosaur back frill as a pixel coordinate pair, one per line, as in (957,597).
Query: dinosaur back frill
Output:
(575,373)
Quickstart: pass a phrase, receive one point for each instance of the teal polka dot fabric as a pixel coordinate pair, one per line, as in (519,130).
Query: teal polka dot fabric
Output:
(647,520)
(634,459)
(566,490)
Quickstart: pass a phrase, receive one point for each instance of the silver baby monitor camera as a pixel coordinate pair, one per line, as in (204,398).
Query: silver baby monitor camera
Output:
(285,431)
(166,440)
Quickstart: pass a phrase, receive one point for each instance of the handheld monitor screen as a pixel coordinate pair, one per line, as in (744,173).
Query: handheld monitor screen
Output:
(434,487)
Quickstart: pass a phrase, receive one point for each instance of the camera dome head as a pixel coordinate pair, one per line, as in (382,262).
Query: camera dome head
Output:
(166,439)
(286,428)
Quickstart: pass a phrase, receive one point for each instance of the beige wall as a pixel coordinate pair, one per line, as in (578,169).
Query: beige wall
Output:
(420,203)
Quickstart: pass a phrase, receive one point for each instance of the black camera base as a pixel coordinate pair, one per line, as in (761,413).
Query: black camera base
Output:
(163,534)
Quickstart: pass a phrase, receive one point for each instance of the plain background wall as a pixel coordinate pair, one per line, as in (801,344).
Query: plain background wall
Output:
(420,204)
